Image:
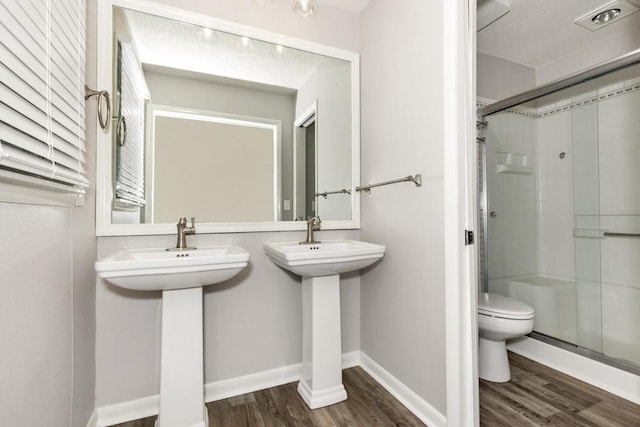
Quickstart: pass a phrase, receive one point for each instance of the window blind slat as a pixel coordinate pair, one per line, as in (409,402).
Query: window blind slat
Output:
(133,96)
(18,50)
(24,141)
(42,56)
(13,118)
(62,42)
(19,73)
(23,107)
(11,82)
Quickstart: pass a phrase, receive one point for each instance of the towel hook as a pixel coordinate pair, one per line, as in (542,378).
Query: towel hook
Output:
(103,98)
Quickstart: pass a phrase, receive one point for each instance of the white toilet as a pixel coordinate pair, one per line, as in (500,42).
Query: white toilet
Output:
(499,319)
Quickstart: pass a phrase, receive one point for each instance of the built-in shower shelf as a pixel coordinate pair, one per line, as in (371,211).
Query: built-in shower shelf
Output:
(513,163)
(514,169)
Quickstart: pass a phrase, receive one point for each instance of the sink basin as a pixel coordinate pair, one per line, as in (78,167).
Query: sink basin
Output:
(159,270)
(323,259)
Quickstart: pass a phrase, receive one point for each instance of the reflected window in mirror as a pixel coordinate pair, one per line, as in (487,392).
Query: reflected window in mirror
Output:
(228,167)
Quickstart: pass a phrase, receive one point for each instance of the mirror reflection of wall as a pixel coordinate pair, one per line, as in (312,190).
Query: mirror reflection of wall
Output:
(191,68)
(239,179)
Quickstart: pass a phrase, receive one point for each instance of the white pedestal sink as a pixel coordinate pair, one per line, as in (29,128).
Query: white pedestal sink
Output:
(320,265)
(180,275)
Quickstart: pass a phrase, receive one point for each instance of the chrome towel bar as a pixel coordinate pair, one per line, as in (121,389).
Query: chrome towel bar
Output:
(416,179)
(611,234)
(326,193)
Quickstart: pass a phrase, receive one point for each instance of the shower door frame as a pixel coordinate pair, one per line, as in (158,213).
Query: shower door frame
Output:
(627,60)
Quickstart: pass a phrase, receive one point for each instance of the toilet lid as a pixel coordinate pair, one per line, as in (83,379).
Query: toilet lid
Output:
(501,306)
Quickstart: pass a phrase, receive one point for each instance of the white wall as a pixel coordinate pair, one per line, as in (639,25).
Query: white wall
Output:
(84,256)
(333,124)
(252,323)
(499,79)
(35,316)
(402,298)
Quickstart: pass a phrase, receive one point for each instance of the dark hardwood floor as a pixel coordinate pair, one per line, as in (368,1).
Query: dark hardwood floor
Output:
(535,396)
(369,404)
(541,396)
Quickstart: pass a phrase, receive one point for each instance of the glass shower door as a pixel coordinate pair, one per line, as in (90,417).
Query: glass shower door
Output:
(586,216)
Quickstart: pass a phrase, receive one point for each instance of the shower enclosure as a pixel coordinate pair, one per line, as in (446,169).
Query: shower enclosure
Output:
(560,209)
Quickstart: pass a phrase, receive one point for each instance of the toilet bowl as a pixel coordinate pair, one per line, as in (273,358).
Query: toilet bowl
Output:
(499,319)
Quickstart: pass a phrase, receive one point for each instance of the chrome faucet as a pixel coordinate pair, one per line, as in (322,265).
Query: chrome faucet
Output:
(313,224)
(183,232)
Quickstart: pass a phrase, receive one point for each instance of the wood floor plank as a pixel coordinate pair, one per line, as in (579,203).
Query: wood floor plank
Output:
(569,419)
(535,396)
(377,404)
(495,410)
(612,414)
(523,396)
(539,389)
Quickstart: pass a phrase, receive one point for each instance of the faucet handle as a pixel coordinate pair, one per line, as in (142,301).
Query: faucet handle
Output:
(193,222)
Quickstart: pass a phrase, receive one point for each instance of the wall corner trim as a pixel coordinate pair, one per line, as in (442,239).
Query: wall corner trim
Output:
(420,408)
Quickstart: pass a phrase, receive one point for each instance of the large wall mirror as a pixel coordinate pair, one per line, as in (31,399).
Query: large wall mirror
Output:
(243,129)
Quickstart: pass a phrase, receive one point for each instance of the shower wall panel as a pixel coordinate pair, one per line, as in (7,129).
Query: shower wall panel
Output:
(556,255)
(619,153)
(513,226)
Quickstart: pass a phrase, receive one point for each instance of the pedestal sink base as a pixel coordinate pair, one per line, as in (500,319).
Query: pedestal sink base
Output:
(321,383)
(181,361)
(320,398)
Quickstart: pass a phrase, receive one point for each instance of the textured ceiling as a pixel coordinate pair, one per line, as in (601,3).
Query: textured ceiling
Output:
(163,43)
(537,32)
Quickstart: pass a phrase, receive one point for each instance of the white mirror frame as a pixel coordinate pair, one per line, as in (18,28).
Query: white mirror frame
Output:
(104,169)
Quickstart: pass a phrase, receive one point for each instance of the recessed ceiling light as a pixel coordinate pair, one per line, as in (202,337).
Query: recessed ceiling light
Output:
(605,16)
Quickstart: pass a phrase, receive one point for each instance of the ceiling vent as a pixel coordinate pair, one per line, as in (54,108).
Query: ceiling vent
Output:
(606,14)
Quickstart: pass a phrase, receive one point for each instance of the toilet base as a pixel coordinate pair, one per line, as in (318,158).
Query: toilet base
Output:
(493,362)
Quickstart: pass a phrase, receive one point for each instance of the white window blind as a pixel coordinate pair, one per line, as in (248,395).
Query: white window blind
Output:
(134,95)
(42,71)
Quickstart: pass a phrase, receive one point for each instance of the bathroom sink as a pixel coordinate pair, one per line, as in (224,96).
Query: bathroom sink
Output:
(157,269)
(320,265)
(323,259)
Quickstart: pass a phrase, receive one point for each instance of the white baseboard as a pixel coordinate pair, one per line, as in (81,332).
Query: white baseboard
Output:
(150,406)
(249,383)
(613,380)
(127,411)
(418,406)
